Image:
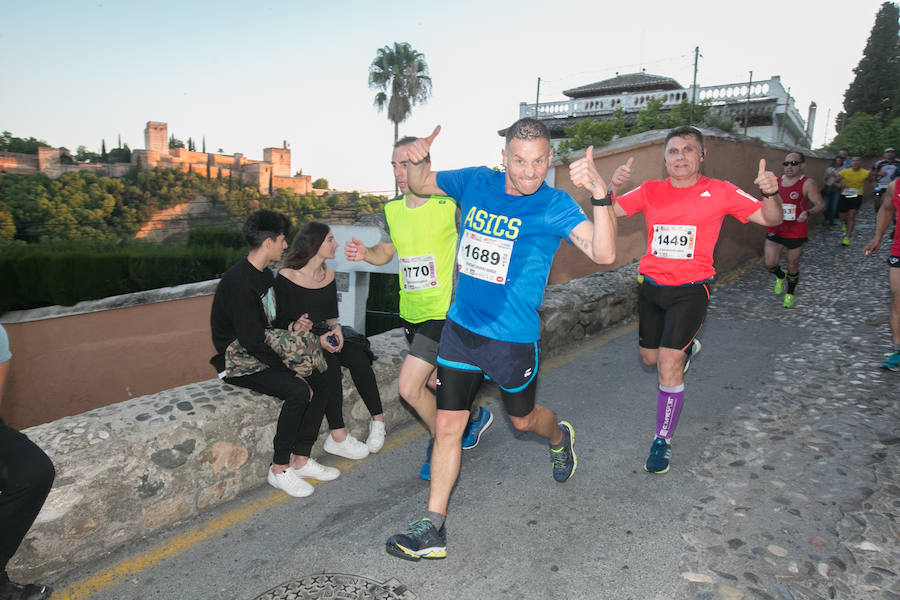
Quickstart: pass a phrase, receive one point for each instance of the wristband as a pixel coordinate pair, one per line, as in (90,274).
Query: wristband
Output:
(604,201)
(769,195)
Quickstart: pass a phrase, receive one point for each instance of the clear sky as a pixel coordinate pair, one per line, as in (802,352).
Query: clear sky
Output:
(248,75)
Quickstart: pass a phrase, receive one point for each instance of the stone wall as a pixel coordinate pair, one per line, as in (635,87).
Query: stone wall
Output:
(730,157)
(16,162)
(129,469)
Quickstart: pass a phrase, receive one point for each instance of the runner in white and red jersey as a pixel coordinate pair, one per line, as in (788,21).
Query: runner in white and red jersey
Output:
(684,215)
(889,212)
(797,191)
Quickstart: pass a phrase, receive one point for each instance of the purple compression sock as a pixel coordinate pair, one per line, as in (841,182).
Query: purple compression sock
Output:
(668,406)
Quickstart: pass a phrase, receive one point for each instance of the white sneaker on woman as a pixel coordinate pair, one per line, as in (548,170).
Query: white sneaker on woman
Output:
(314,470)
(376,436)
(350,448)
(289,483)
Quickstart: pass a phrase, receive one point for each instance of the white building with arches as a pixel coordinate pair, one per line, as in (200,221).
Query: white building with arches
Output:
(768,109)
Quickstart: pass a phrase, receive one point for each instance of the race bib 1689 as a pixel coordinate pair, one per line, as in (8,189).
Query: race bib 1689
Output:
(484,257)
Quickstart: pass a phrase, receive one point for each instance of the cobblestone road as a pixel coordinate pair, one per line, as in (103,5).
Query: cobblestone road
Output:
(806,492)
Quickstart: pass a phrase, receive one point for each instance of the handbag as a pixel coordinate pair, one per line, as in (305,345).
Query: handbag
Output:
(300,351)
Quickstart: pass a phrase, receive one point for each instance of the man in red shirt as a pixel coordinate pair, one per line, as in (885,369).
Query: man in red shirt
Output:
(797,191)
(889,211)
(684,215)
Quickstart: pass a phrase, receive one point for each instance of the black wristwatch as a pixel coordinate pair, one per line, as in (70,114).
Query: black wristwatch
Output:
(604,201)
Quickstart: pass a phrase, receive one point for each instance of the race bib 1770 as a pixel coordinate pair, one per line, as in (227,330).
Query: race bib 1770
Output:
(484,257)
(673,241)
(418,272)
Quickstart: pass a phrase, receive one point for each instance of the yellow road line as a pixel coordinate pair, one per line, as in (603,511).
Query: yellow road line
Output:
(583,346)
(131,566)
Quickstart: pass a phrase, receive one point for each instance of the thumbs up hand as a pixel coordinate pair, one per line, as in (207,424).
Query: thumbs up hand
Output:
(584,174)
(622,174)
(766,180)
(418,150)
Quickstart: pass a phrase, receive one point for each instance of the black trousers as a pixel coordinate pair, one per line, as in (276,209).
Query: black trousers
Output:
(300,417)
(357,361)
(26,476)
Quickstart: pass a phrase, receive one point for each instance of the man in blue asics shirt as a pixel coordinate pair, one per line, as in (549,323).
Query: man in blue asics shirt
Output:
(512,223)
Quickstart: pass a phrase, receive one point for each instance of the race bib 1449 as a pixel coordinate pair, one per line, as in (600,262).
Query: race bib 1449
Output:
(484,257)
(673,241)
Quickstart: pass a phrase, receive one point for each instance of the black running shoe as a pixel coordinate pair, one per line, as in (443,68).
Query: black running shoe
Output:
(564,460)
(421,541)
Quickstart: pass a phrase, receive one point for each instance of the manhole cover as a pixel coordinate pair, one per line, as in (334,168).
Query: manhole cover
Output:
(336,586)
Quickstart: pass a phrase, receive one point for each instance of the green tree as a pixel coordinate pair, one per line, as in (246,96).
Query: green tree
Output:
(175,142)
(650,117)
(874,89)
(861,134)
(119,155)
(7,224)
(593,133)
(320,184)
(9,143)
(401,75)
(598,133)
(83,155)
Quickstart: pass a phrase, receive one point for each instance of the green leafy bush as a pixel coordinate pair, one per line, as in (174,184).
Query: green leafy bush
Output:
(48,274)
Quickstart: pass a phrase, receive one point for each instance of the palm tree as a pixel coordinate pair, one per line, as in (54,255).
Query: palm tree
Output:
(401,74)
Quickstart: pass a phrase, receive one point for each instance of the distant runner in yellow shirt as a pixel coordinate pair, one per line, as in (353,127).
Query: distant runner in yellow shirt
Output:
(851,184)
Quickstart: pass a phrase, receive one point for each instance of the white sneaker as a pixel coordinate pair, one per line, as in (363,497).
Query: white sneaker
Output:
(314,470)
(289,483)
(350,448)
(376,436)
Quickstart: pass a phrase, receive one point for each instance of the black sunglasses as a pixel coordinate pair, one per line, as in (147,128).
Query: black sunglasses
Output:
(792,163)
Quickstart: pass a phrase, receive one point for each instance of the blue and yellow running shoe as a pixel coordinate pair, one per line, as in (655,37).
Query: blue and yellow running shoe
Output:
(421,541)
(660,453)
(564,459)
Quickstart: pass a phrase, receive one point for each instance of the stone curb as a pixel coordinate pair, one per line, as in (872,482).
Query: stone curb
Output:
(133,468)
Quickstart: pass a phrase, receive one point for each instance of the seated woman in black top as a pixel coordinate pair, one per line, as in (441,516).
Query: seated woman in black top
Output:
(305,292)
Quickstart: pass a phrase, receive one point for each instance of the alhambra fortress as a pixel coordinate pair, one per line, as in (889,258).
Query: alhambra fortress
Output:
(271,173)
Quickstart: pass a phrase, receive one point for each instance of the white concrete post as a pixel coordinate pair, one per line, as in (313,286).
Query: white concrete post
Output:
(353,277)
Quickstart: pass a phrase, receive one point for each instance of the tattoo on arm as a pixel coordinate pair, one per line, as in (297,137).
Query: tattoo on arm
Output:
(580,242)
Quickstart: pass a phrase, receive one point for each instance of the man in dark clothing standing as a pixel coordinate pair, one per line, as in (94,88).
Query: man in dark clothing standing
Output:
(242,309)
(26,476)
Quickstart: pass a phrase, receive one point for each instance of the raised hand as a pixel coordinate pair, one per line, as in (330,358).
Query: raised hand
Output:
(622,174)
(584,174)
(355,250)
(419,149)
(766,181)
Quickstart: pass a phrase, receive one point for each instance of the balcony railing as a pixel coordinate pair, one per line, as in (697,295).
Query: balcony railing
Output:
(632,102)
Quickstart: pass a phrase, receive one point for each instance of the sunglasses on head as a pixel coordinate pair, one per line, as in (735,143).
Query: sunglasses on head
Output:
(792,163)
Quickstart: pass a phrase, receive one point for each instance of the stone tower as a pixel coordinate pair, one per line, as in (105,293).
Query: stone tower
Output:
(280,159)
(156,137)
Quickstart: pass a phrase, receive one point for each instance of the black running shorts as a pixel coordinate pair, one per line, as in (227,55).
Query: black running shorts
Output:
(423,339)
(848,204)
(789,243)
(671,316)
(465,359)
